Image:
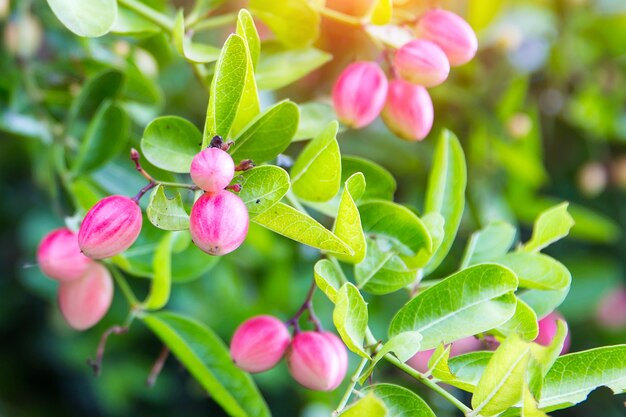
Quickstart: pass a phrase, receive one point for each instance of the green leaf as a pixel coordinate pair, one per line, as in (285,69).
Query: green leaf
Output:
(295,23)
(350,318)
(166,213)
(381,184)
(523,323)
(543,357)
(262,187)
(530,405)
(132,24)
(403,345)
(368,406)
(280,66)
(382,271)
(399,401)
(466,369)
(502,383)
(347,225)
(289,222)
(314,116)
(466,303)
(434,223)
(316,174)
(551,225)
(170,143)
(193,52)
(207,358)
(398,224)
(446,191)
(203,7)
(103,140)
(249,106)
(227,88)
(268,134)
(328,278)
(491,242)
(162,280)
(90,18)
(574,376)
(381,12)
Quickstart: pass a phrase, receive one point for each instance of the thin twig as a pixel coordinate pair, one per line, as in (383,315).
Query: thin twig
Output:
(157,367)
(96,364)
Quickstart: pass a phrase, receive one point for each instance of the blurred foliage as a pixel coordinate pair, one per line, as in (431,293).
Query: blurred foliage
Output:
(541,113)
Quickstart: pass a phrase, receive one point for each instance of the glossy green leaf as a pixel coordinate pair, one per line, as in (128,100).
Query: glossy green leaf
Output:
(446,191)
(167,213)
(501,385)
(574,376)
(347,225)
(380,183)
(227,88)
(247,30)
(350,318)
(207,358)
(551,225)
(295,23)
(316,173)
(280,66)
(262,187)
(193,52)
(368,406)
(523,323)
(268,134)
(382,271)
(103,140)
(162,280)
(289,222)
(170,143)
(530,405)
(466,369)
(203,7)
(403,346)
(489,243)
(466,303)
(434,223)
(132,24)
(328,278)
(313,117)
(399,401)
(90,18)
(543,357)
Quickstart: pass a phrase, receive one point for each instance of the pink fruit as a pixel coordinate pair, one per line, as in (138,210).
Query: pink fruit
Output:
(409,110)
(419,361)
(212,169)
(547,331)
(59,256)
(318,361)
(83,302)
(359,93)
(611,312)
(451,33)
(218,222)
(422,62)
(110,227)
(259,343)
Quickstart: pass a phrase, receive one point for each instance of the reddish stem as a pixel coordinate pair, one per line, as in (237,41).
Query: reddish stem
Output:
(157,367)
(308,307)
(96,364)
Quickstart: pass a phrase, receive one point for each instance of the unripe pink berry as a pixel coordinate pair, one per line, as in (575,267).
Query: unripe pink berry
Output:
(359,93)
(212,169)
(218,222)
(409,110)
(110,227)
(85,301)
(259,343)
(318,361)
(59,256)
(611,312)
(422,62)
(547,331)
(419,361)
(451,32)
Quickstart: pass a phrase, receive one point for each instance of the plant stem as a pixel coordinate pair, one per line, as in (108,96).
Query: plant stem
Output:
(308,307)
(346,396)
(126,290)
(149,13)
(96,364)
(214,22)
(430,384)
(158,366)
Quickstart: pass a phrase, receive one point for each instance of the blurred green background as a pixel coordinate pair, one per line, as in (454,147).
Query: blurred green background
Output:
(541,113)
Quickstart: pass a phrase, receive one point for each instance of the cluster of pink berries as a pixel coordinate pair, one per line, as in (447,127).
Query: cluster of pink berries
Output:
(317,360)
(362,91)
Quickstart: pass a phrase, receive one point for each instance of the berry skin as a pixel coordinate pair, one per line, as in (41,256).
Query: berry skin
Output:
(212,169)
(59,256)
(422,62)
(318,361)
(218,222)
(451,33)
(409,110)
(547,331)
(110,227)
(259,343)
(359,94)
(85,301)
